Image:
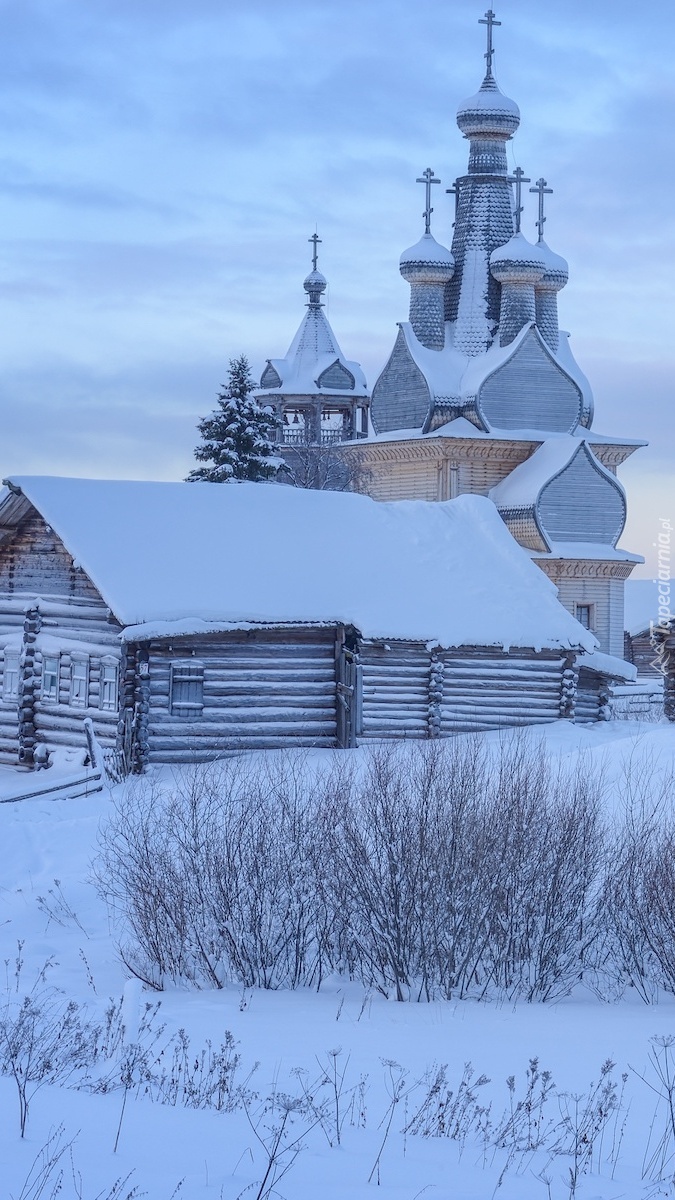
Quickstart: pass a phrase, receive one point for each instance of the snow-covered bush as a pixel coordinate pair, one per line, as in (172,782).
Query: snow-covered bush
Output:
(441,869)
(217,880)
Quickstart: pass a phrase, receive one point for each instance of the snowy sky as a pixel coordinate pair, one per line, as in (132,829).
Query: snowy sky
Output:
(163,162)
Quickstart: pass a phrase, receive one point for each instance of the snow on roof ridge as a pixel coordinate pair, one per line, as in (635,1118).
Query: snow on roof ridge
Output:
(213,552)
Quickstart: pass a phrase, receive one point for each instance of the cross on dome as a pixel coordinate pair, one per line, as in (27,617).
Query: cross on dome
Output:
(543,190)
(427,178)
(519,179)
(315,254)
(490,20)
(454,191)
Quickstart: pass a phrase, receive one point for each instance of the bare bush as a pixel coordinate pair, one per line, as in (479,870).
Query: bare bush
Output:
(443,868)
(637,943)
(219,880)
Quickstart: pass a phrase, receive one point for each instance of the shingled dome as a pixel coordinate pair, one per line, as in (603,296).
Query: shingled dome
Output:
(315,284)
(557,271)
(518,261)
(489,113)
(427,258)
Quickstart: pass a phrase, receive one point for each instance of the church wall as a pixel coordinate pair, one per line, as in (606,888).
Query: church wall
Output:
(478,475)
(403,480)
(606,596)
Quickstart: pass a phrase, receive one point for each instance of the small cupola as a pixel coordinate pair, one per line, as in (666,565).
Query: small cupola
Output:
(315,285)
(517,266)
(427,267)
(555,276)
(489,119)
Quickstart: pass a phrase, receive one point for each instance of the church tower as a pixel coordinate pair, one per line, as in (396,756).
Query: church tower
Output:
(491,400)
(320,398)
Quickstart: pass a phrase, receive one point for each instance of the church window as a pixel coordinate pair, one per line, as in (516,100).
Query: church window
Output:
(10,681)
(79,681)
(584,615)
(109,685)
(187,688)
(50,678)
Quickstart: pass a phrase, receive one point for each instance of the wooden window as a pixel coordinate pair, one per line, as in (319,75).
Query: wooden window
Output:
(79,681)
(10,679)
(187,688)
(584,615)
(50,677)
(109,685)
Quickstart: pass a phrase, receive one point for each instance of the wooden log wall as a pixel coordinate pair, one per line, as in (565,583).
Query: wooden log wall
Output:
(396,701)
(71,632)
(12,614)
(49,606)
(410,692)
(36,562)
(590,698)
(640,651)
(488,689)
(262,690)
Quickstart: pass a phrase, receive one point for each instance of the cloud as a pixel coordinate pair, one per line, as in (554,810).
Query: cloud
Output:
(164,164)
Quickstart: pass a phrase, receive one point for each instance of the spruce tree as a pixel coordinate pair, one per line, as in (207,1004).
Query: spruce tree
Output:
(237,437)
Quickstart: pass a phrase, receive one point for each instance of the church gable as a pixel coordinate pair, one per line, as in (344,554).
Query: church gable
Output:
(530,391)
(582,503)
(337,377)
(270,378)
(401,397)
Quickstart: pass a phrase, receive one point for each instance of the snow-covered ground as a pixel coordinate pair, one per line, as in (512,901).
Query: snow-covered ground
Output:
(389,1053)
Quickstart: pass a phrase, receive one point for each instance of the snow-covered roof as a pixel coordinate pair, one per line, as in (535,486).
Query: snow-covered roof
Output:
(460,427)
(522,487)
(557,267)
(476,114)
(448,573)
(518,251)
(609,665)
(428,251)
(313,350)
(594,551)
(454,376)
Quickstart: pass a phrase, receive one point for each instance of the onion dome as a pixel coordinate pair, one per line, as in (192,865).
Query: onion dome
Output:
(518,262)
(556,272)
(427,262)
(315,284)
(489,113)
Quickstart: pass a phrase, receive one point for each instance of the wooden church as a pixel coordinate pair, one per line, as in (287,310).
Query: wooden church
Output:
(481,393)
(477,583)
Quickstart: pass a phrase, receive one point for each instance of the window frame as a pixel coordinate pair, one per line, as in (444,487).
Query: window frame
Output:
(110,663)
(13,655)
(51,696)
(585,604)
(184,673)
(79,660)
